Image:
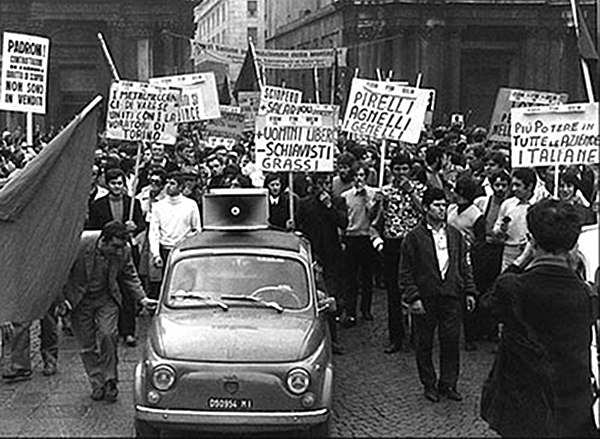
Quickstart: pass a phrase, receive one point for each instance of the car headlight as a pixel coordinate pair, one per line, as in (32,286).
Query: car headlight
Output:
(298,381)
(163,377)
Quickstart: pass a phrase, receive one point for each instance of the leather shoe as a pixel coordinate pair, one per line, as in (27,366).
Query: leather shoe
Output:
(431,394)
(392,349)
(111,391)
(97,394)
(130,341)
(450,393)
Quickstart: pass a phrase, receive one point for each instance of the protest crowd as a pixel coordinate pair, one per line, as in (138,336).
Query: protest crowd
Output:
(443,225)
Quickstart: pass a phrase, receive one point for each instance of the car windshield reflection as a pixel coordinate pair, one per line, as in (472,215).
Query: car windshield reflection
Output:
(238,280)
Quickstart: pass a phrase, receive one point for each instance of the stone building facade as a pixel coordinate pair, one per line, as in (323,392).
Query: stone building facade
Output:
(146,38)
(465,49)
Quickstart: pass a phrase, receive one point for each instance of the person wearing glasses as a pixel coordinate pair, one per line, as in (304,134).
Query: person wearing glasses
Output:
(102,274)
(400,211)
(436,280)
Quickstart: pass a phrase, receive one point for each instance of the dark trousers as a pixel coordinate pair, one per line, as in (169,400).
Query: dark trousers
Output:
(443,312)
(21,341)
(94,321)
(154,287)
(359,259)
(129,309)
(391,266)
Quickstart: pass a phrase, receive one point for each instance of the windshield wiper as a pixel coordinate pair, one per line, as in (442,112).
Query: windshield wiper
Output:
(181,294)
(254,299)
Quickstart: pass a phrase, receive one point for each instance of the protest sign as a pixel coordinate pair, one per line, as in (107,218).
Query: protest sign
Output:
(199,96)
(509,98)
(270,58)
(385,110)
(278,100)
(555,135)
(294,143)
(230,124)
(248,102)
(141,111)
(24,73)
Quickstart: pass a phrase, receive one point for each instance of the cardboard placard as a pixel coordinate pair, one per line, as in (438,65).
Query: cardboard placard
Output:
(199,95)
(24,73)
(385,110)
(138,111)
(509,98)
(230,124)
(279,100)
(555,135)
(295,143)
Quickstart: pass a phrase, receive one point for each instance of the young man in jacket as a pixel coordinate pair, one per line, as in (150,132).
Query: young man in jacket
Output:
(435,276)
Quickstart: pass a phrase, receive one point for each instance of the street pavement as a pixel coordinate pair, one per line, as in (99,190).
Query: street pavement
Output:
(376,395)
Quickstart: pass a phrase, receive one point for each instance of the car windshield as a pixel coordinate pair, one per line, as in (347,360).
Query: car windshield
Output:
(239,280)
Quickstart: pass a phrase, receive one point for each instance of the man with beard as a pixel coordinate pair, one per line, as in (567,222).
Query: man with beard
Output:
(343,181)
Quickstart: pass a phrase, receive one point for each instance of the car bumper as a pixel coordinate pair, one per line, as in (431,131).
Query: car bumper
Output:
(191,418)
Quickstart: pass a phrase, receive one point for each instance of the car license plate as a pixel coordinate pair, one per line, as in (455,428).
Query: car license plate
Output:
(229,404)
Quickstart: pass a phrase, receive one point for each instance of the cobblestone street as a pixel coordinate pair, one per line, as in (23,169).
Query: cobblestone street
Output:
(376,394)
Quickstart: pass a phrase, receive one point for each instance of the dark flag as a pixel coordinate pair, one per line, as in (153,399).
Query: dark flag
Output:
(247,80)
(42,211)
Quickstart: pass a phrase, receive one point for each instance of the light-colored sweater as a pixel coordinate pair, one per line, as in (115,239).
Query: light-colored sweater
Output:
(172,219)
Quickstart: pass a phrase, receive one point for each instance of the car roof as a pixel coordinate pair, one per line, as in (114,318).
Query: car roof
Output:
(254,239)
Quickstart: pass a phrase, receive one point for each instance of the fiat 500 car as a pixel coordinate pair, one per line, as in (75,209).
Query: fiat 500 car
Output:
(240,341)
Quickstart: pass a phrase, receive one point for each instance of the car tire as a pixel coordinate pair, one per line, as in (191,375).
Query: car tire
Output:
(143,429)
(320,430)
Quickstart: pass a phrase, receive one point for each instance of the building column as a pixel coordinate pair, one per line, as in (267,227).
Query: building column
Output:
(397,53)
(528,60)
(116,44)
(454,64)
(556,52)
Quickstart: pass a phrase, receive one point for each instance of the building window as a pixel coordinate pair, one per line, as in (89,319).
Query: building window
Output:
(253,34)
(252,8)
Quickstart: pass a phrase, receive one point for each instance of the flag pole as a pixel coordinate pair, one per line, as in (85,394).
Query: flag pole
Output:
(256,69)
(136,173)
(317,91)
(109,59)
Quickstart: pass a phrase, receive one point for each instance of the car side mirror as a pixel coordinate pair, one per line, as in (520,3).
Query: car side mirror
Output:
(324,302)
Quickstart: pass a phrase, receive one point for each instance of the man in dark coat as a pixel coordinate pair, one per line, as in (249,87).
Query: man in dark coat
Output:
(279,201)
(321,216)
(435,276)
(102,275)
(541,374)
(116,206)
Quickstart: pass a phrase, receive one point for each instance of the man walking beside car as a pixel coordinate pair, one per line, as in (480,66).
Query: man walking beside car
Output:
(102,273)
(435,275)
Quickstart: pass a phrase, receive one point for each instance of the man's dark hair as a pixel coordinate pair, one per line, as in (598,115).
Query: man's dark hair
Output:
(114,229)
(178,177)
(500,174)
(526,175)
(498,158)
(272,176)
(401,158)
(433,194)
(158,171)
(113,174)
(346,158)
(555,225)
(466,187)
(433,154)
(357,166)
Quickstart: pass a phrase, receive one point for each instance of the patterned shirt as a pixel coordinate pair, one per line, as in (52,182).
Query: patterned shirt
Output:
(400,214)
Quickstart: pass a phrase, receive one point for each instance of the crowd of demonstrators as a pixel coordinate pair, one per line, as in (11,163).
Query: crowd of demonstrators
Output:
(447,216)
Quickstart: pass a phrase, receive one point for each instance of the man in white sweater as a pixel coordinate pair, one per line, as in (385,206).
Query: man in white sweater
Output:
(173,218)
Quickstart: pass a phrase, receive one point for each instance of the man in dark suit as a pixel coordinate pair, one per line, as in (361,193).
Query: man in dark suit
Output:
(102,275)
(279,201)
(116,205)
(435,276)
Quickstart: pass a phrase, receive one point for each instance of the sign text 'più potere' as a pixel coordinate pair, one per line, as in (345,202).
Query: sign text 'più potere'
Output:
(295,143)
(24,73)
(138,111)
(555,135)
